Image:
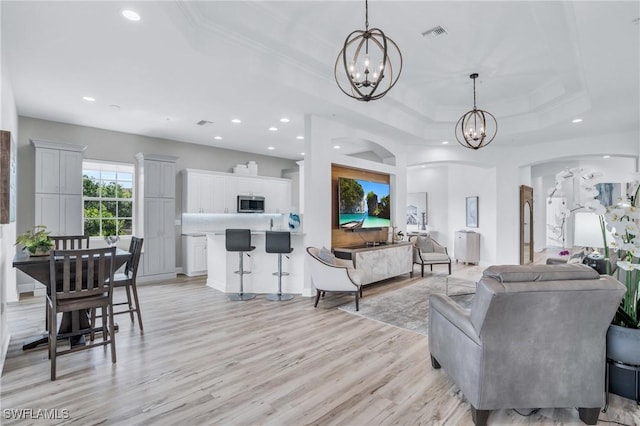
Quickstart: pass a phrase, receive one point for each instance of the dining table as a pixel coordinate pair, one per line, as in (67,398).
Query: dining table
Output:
(37,267)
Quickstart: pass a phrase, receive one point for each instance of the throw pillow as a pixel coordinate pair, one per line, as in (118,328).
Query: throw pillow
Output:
(578,255)
(424,243)
(326,255)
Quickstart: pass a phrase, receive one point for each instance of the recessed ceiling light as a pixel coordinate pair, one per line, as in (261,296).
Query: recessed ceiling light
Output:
(302,153)
(299,137)
(273,129)
(336,147)
(89,99)
(131,15)
(606,156)
(236,121)
(445,142)
(577,120)
(114,106)
(284,120)
(218,138)
(271,147)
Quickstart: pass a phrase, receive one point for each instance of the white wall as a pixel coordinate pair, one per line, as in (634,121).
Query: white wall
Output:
(8,293)
(434,180)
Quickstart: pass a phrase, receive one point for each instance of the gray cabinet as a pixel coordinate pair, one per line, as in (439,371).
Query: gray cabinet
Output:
(467,247)
(58,179)
(156,214)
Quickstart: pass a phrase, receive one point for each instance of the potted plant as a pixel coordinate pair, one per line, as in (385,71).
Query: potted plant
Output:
(623,336)
(36,241)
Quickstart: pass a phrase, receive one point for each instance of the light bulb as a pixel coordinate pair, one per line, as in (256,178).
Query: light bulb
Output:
(366,61)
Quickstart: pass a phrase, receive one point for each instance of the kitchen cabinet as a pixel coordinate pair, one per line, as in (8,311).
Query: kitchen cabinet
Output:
(217,192)
(467,247)
(58,178)
(203,193)
(156,214)
(194,255)
(159,236)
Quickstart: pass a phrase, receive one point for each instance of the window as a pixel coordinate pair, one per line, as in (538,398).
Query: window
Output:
(107,190)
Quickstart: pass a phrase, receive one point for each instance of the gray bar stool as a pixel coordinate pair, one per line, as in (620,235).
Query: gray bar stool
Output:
(239,240)
(279,242)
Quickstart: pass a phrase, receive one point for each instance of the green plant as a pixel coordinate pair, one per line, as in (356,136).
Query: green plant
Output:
(35,240)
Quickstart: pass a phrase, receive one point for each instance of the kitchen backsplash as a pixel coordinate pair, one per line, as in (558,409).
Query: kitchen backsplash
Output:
(199,222)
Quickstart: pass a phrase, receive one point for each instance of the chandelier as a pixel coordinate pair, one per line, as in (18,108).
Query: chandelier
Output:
(472,129)
(367,71)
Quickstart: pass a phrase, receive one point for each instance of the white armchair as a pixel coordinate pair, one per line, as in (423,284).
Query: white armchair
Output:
(427,251)
(332,274)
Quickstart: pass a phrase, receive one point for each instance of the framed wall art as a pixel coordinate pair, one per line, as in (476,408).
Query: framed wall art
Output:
(8,176)
(472,212)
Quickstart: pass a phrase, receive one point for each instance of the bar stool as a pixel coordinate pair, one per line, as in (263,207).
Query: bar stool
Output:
(279,242)
(239,240)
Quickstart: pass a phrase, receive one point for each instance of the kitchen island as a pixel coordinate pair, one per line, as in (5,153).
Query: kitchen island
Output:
(222,264)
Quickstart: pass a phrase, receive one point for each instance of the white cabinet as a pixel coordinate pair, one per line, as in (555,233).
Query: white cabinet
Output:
(58,178)
(217,192)
(159,237)
(159,178)
(467,247)
(156,214)
(277,194)
(194,255)
(203,193)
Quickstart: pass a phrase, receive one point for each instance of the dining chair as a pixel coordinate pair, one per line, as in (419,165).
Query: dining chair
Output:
(70,242)
(66,242)
(81,281)
(127,279)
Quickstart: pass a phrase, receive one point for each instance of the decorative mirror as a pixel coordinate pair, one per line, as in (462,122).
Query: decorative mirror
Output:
(526,224)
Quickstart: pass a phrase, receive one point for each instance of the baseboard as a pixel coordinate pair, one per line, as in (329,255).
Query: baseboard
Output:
(155,278)
(4,348)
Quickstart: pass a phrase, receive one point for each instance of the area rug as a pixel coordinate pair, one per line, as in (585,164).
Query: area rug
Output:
(408,307)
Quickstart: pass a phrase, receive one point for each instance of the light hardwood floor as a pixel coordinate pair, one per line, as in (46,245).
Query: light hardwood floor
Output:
(206,360)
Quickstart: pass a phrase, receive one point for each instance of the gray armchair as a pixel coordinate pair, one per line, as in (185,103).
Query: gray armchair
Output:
(534,337)
(427,251)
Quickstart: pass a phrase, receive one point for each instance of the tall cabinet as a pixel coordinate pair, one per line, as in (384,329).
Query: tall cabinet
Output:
(156,212)
(467,247)
(58,174)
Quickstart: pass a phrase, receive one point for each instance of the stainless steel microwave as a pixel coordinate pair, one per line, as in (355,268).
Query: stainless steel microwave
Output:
(250,204)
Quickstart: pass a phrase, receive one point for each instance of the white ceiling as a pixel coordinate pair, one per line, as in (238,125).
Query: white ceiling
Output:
(541,64)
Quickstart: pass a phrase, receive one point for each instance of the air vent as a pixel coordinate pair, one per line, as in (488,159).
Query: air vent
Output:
(434,32)
(204,122)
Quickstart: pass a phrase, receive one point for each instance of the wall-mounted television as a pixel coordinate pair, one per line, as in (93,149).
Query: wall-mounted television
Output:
(363,204)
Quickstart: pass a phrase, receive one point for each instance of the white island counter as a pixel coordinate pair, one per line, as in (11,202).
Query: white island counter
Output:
(222,264)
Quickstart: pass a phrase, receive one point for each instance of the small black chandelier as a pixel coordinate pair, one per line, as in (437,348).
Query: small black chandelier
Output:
(364,70)
(472,130)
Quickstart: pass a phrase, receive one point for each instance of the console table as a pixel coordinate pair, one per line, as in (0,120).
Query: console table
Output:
(379,262)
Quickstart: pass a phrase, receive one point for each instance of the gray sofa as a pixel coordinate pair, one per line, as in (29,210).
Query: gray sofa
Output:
(534,337)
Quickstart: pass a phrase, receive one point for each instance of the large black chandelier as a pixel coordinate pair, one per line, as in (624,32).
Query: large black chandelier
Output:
(473,130)
(366,67)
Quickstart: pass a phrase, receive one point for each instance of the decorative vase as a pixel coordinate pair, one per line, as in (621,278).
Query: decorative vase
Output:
(294,222)
(37,251)
(623,345)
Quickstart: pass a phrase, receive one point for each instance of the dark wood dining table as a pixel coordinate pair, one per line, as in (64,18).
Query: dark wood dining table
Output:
(37,267)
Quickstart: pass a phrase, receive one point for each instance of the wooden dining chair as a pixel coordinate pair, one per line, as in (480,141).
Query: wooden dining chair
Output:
(81,281)
(66,242)
(70,242)
(127,279)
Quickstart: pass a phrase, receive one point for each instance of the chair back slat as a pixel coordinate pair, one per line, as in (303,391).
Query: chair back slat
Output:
(83,273)
(70,242)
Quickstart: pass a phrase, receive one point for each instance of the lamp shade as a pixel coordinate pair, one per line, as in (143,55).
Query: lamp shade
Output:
(587,231)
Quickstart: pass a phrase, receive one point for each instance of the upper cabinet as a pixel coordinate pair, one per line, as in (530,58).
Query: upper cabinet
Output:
(159,177)
(58,178)
(217,192)
(58,171)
